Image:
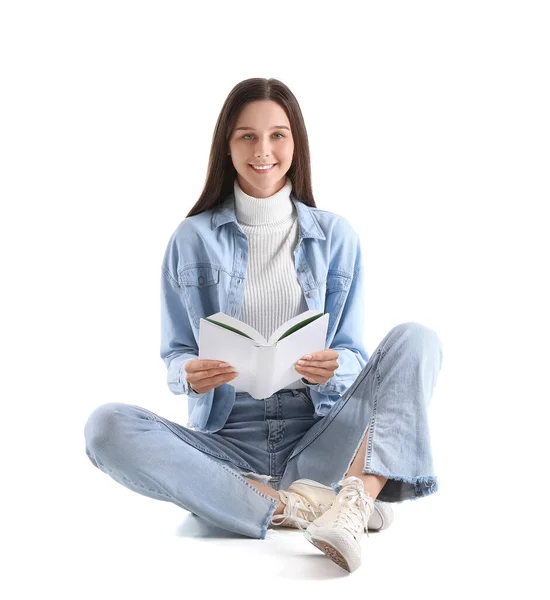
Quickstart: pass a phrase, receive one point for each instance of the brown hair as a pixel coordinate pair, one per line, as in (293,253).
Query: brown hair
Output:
(221,172)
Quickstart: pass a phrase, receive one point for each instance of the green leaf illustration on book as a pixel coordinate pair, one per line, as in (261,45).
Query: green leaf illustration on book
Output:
(285,334)
(228,327)
(299,326)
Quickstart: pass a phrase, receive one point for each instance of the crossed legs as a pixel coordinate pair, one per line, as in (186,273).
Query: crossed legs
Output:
(373,484)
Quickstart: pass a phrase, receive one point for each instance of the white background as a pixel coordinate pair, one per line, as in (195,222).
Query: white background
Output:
(429,131)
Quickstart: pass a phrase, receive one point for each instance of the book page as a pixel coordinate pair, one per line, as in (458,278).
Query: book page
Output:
(289,350)
(223,320)
(237,350)
(292,325)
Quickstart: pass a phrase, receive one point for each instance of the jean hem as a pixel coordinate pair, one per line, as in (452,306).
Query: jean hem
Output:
(267,521)
(423,485)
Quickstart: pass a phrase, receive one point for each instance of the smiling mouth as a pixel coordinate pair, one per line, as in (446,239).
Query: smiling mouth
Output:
(263,170)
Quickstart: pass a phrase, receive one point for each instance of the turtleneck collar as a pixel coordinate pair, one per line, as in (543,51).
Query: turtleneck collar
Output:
(259,211)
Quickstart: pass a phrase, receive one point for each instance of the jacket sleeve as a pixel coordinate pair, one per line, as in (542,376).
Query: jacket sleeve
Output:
(348,339)
(177,345)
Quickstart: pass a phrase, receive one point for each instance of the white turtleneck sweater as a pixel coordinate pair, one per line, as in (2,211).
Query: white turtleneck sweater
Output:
(272,294)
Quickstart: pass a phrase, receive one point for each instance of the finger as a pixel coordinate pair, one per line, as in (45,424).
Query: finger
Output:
(324,355)
(197,382)
(225,376)
(323,364)
(207,373)
(198,364)
(314,371)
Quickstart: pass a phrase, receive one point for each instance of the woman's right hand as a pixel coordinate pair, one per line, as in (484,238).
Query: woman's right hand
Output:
(205,375)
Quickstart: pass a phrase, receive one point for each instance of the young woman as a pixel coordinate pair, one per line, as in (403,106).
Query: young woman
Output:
(324,452)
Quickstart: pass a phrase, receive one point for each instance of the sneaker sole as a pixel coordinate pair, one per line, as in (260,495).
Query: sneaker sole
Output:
(331,552)
(323,544)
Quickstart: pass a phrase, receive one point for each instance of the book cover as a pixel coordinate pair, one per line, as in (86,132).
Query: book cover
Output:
(263,366)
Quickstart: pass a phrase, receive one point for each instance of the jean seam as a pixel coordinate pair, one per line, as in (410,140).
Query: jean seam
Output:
(198,446)
(370,438)
(334,411)
(326,421)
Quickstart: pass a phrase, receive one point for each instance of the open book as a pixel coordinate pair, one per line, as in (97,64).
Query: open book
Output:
(263,366)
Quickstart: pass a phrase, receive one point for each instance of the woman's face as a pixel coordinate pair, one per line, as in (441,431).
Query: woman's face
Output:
(261,136)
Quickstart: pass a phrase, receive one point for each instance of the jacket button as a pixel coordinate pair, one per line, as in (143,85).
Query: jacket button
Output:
(201,279)
(302,269)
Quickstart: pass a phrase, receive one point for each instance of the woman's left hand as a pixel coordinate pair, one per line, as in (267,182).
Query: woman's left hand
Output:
(320,367)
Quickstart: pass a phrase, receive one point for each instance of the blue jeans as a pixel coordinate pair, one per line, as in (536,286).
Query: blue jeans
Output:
(280,439)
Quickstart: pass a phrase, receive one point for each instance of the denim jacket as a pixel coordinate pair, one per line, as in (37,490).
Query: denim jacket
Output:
(204,272)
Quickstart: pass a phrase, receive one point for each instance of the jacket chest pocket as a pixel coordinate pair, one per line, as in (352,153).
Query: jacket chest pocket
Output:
(201,286)
(337,288)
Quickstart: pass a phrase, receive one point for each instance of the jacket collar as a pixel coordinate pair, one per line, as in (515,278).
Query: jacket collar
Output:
(307,221)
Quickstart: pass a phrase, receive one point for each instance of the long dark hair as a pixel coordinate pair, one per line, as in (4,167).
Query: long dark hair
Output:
(221,172)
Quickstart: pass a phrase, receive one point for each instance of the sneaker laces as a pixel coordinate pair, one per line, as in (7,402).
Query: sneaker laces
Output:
(359,505)
(295,503)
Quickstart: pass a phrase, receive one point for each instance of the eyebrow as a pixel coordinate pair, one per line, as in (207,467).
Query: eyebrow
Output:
(275,127)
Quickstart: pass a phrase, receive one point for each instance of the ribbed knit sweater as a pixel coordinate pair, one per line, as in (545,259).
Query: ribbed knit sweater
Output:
(272,294)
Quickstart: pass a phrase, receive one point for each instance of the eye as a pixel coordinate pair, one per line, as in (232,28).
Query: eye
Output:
(247,134)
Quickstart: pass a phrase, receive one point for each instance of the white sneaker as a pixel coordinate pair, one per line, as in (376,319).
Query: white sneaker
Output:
(305,500)
(338,531)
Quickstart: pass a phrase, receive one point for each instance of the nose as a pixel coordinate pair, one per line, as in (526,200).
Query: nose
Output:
(263,147)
